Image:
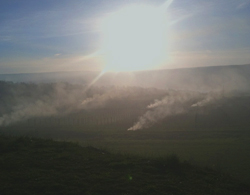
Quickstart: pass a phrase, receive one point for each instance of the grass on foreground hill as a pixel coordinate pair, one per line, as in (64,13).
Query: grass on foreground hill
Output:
(38,166)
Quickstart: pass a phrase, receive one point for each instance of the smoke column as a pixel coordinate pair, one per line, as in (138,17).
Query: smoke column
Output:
(207,100)
(57,100)
(23,112)
(172,104)
(100,100)
(24,101)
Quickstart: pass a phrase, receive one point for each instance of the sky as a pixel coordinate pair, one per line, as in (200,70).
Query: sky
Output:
(67,35)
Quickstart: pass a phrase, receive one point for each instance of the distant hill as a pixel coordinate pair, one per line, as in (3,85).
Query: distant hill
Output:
(235,77)
(48,77)
(202,78)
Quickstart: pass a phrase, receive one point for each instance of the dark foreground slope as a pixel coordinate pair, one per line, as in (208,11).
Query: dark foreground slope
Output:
(36,166)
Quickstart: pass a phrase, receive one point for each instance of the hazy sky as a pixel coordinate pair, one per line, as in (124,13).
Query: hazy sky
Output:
(64,35)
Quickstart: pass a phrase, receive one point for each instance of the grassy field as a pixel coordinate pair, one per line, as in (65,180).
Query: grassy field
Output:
(38,166)
(216,136)
(226,151)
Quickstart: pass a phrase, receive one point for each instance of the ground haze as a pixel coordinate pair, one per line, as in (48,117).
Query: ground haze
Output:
(203,128)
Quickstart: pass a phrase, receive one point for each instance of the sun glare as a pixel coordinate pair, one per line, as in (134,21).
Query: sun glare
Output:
(134,38)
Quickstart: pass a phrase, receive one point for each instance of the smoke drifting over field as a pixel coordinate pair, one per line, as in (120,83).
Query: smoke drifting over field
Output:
(209,98)
(22,112)
(101,99)
(22,101)
(172,104)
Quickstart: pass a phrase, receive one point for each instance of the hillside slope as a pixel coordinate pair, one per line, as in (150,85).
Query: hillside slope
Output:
(37,166)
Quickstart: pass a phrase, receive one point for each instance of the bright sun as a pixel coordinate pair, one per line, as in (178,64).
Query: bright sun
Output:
(134,38)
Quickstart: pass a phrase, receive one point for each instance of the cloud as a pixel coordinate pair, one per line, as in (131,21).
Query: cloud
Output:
(243,4)
(50,64)
(183,59)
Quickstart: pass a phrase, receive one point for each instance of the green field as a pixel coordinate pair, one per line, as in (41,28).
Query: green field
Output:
(38,166)
(207,129)
(214,136)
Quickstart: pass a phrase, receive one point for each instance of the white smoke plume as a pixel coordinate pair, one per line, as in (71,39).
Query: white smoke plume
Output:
(174,103)
(210,98)
(23,101)
(22,112)
(100,100)
(49,100)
